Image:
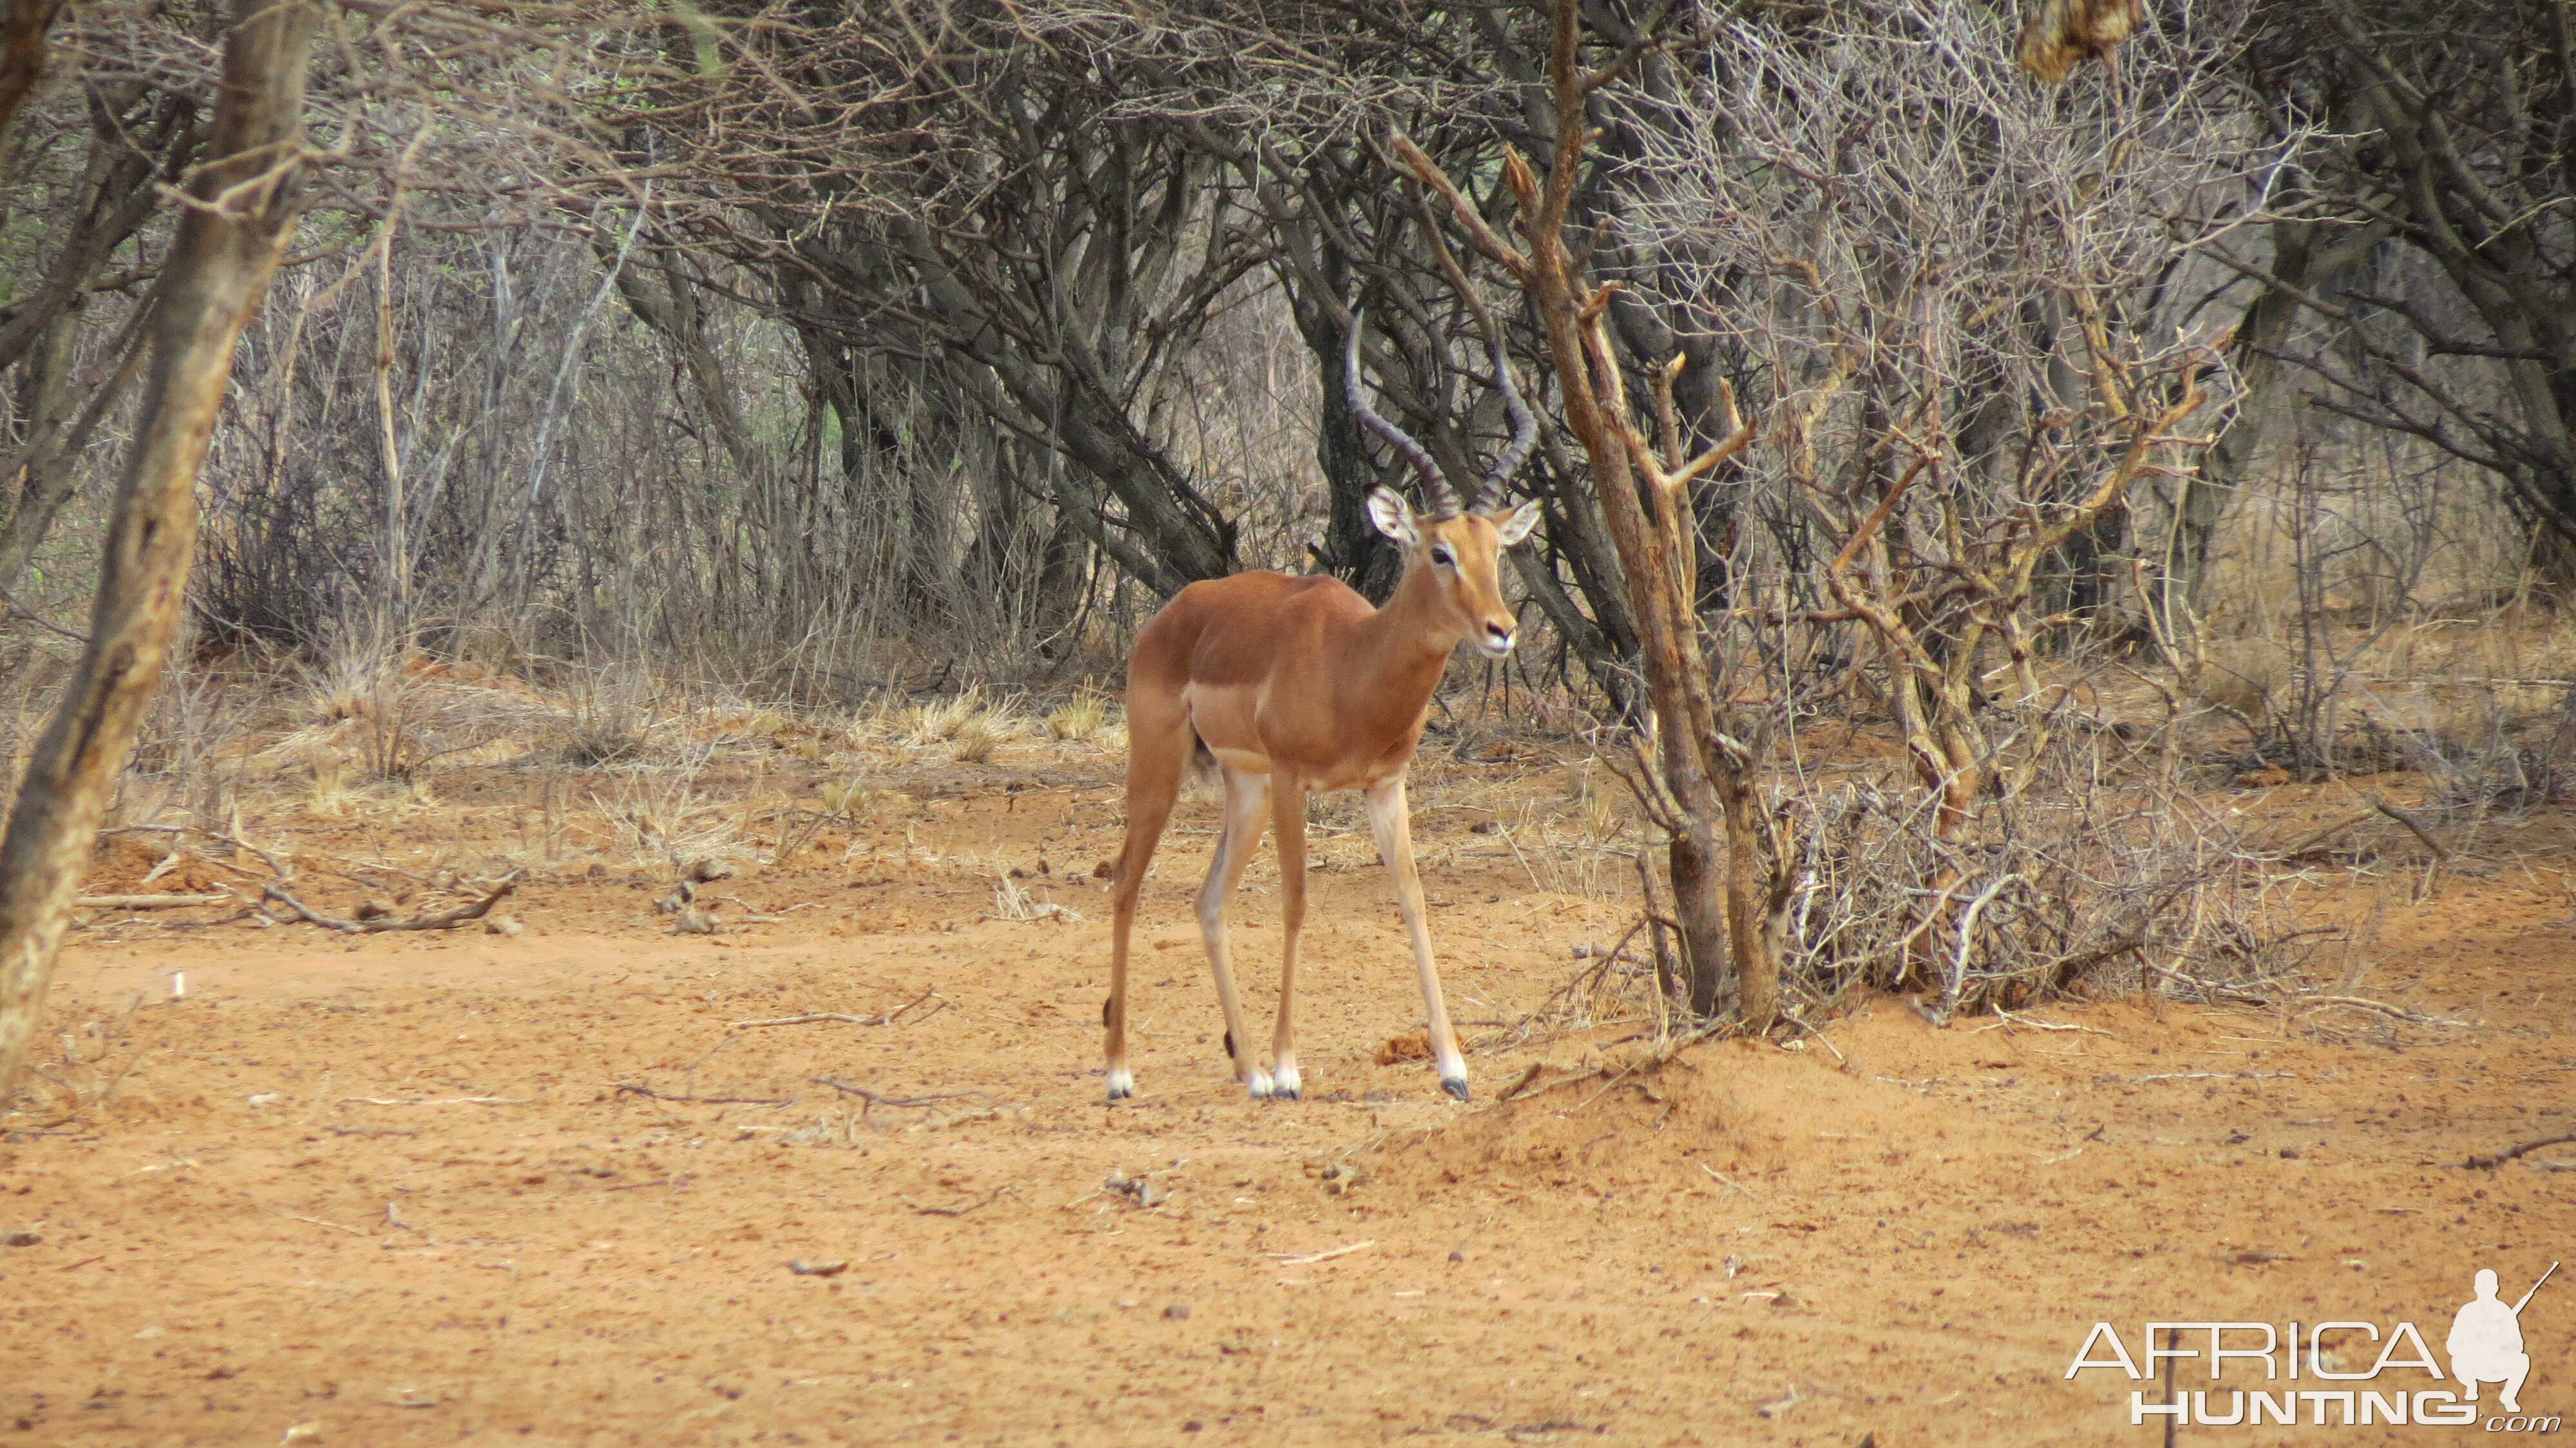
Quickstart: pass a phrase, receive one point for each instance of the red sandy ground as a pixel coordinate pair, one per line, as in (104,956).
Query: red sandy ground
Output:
(390,1190)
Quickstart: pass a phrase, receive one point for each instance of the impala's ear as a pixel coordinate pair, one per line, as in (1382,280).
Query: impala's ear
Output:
(1516,525)
(1393,517)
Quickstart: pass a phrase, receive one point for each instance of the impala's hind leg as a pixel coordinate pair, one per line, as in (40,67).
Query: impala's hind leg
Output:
(1391,821)
(1158,752)
(1247,798)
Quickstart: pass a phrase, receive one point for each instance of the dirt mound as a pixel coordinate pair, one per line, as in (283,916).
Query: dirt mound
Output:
(1721,1113)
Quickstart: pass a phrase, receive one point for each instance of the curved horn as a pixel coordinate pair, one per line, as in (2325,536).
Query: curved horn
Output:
(1489,493)
(1444,502)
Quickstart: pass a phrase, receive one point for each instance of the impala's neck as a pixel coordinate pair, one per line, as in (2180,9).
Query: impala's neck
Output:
(1401,651)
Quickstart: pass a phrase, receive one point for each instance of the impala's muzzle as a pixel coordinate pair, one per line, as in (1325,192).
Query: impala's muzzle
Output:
(1497,640)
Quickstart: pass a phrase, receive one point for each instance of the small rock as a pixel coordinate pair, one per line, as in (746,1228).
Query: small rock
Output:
(693,921)
(818,1269)
(1105,870)
(596,874)
(268,1098)
(1193,1426)
(375,910)
(502,925)
(19,1239)
(706,870)
(1180,1310)
(2289,1154)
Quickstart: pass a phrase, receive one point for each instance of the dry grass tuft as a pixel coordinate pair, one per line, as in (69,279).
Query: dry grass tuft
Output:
(1079,720)
(941,721)
(975,740)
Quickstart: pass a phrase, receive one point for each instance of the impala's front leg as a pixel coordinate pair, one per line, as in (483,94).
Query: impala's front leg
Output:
(1391,822)
(1288,819)
(1247,797)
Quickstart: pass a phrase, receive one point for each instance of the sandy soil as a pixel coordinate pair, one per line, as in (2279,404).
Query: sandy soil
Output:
(554,1188)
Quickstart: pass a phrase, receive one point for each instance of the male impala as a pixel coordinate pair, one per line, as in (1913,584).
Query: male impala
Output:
(1292,685)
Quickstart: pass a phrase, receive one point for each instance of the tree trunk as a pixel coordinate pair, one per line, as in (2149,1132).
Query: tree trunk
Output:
(1702,769)
(227,247)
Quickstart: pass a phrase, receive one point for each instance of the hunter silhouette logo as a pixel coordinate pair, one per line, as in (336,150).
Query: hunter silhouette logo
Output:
(2486,1341)
(2485,1346)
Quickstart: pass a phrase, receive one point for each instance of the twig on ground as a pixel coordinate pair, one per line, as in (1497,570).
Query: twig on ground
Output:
(446,1101)
(150,902)
(443,920)
(2009,1020)
(1300,1259)
(875,1099)
(2490,1163)
(628,1089)
(888,1019)
(2363,1003)
(1725,1179)
(986,1200)
(317,1221)
(2196,1076)
(2316,837)
(2380,803)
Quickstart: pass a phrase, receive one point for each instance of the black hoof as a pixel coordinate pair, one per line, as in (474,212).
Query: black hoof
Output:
(1455,1086)
(1288,1093)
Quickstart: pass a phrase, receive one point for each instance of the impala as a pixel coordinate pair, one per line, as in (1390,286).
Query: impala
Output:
(1286,686)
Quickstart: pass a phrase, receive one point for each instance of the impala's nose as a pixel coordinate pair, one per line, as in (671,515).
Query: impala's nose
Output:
(1497,640)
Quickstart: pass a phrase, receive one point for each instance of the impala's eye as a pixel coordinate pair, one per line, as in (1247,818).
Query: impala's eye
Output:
(1444,557)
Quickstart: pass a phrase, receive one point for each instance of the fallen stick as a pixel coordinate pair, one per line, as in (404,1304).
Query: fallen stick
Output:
(2363,1003)
(1300,1259)
(2490,1163)
(2195,1076)
(2314,838)
(447,1101)
(317,1221)
(1724,1178)
(985,1200)
(150,902)
(647,1091)
(2380,803)
(444,920)
(887,1019)
(876,1099)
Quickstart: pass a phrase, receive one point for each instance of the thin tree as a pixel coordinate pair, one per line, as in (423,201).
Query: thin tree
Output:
(1705,787)
(240,209)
